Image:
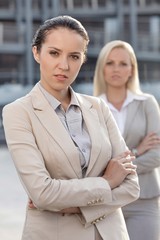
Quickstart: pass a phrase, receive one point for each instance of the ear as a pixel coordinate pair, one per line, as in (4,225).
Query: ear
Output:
(35,54)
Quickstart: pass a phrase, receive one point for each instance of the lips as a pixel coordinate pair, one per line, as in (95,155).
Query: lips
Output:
(61,77)
(115,77)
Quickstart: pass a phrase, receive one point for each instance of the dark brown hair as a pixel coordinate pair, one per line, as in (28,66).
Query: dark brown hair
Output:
(55,23)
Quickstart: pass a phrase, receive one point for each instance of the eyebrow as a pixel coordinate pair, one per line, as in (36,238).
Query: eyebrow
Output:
(59,50)
(123,60)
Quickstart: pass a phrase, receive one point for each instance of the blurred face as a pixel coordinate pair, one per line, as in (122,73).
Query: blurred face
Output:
(60,58)
(118,68)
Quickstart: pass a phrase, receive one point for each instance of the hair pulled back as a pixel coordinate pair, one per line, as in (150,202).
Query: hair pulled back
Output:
(55,23)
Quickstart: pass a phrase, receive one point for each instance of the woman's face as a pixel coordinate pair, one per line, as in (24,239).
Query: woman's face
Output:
(118,68)
(60,58)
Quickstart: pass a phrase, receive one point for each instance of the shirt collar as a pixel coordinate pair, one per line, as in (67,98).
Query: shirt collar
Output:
(133,96)
(129,98)
(54,102)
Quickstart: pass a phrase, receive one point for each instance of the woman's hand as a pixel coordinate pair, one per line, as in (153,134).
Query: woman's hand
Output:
(118,168)
(31,205)
(72,210)
(150,141)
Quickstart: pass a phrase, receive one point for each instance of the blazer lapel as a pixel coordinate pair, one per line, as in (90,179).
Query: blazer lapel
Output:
(55,128)
(93,125)
(131,113)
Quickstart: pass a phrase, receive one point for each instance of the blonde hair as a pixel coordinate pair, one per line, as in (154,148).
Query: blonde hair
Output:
(99,84)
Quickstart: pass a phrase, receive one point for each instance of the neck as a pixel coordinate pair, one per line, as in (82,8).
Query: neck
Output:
(116,97)
(63,96)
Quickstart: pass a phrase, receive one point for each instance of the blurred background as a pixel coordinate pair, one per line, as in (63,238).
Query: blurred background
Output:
(134,21)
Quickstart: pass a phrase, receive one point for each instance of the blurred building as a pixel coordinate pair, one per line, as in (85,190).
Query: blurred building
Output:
(135,21)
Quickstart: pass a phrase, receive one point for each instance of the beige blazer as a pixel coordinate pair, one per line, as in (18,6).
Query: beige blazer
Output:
(143,117)
(49,168)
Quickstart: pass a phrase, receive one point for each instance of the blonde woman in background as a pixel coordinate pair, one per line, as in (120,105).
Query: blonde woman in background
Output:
(137,114)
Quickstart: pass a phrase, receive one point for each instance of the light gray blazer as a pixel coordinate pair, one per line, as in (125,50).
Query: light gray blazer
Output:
(48,164)
(143,117)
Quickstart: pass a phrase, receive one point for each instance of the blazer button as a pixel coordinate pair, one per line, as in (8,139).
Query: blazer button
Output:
(94,222)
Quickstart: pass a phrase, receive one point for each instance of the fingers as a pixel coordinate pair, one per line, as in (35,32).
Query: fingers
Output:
(151,134)
(151,142)
(129,166)
(155,141)
(127,159)
(31,205)
(126,154)
(131,171)
(72,210)
(153,138)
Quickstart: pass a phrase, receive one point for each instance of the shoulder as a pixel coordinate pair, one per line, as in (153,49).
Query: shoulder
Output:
(149,99)
(145,98)
(26,101)
(18,102)
(18,106)
(150,104)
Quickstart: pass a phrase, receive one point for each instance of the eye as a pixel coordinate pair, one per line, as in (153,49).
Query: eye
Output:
(75,57)
(54,53)
(124,64)
(109,63)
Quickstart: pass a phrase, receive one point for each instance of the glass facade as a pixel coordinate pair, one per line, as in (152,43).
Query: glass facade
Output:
(137,22)
(134,21)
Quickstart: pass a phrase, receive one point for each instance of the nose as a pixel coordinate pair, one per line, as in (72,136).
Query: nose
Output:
(116,67)
(63,64)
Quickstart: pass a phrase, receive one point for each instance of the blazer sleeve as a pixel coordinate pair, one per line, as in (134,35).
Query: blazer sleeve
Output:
(46,193)
(150,159)
(127,192)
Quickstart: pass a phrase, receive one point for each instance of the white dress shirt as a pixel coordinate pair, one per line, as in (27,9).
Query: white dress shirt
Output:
(73,122)
(120,115)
